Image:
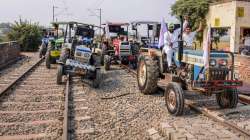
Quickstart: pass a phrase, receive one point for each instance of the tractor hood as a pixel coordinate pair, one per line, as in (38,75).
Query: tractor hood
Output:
(196,57)
(200,53)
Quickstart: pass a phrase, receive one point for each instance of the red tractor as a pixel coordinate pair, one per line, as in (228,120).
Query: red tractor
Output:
(117,49)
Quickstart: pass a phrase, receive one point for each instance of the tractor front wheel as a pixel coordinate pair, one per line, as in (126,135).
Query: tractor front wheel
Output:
(47,60)
(174,99)
(98,79)
(147,75)
(59,75)
(107,62)
(228,99)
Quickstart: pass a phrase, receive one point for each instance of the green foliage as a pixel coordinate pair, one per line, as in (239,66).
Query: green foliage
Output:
(28,35)
(4,38)
(196,10)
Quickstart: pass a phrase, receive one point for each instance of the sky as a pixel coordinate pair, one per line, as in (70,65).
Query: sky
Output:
(85,10)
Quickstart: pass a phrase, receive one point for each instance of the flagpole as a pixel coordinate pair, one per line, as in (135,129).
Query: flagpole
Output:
(209,48)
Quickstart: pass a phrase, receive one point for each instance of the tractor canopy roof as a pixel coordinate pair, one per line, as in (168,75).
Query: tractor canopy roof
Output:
(72,23)
(143,22)
(116,23)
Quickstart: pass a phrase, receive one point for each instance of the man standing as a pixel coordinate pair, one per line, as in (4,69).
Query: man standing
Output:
(246,49)
(189,36)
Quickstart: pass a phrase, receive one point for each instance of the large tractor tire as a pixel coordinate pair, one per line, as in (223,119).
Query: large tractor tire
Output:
(147,75)
(107,62)
(228,99)
(59,75)
(98,78)
(124,62)
(47,60)
(102,60)
(174,99)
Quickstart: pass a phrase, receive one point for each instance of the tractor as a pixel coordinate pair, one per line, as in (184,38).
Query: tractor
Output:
(118,48)
(53,52)
(188,73)
(54,46)
(80,57)
(151,39)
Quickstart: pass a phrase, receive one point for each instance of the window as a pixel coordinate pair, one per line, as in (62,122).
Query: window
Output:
(221,39)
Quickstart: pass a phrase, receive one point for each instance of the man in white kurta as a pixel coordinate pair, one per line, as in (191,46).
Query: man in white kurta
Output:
(171,38)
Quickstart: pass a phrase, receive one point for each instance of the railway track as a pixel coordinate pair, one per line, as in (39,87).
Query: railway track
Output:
(238,124)
(31,105)
(77,123)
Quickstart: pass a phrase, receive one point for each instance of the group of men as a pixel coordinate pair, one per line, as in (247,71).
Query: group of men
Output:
(172,37)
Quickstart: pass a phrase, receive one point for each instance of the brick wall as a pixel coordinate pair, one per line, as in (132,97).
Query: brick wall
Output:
(9,52)
(242,66)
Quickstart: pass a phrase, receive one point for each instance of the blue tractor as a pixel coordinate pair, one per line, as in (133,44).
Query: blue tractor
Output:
(188,73)
(80,57)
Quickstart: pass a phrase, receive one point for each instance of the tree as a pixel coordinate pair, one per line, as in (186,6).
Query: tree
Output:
(27,34)
(195,9)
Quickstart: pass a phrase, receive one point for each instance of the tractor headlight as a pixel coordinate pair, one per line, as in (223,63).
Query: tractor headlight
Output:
(212,62)
(78,54)
(236,76)
(223,62)
(86,55)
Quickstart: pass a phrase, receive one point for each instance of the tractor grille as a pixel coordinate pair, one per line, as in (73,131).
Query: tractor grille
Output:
(218,74)
(81,60)
(124,52)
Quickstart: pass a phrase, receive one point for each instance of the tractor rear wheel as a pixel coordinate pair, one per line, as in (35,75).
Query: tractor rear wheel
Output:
(174,99)
(107,62)
(228,99)
(147,75)
(59,75)
(47,60)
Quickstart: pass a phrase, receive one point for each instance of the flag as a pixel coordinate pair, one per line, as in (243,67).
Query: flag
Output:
(162,32)
(107,31)
(206,48)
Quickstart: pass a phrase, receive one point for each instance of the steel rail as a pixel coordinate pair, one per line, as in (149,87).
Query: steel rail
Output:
(244,99)
(217,118)
(13,83)
(66,110)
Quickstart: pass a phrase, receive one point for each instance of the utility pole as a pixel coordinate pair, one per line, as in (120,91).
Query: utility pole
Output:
(100,17)
(53,13)
(54,7)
